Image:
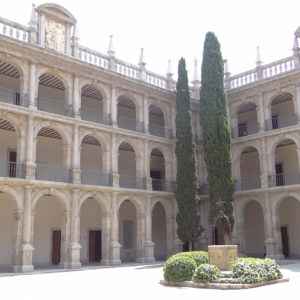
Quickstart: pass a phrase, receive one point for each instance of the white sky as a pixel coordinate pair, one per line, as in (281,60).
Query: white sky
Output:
(169,29)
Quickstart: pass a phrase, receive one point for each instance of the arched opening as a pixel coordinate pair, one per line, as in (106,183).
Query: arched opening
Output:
(247,119)
(159,232)
(91,161)
(91,232)
(128,231)
(286,164)
(50,158)
(254,231)
(49,232)
(157,170)
(91,104)
(282,111)
(156,121)
(289,212)
(126,113)
(127,166)
(9,156)
(8,232)
(250,169)
(10,84)
(52,95)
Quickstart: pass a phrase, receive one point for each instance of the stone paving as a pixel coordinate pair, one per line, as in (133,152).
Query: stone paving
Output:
(131,282)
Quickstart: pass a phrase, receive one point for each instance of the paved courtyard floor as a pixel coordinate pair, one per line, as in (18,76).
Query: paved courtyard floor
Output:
(131,282)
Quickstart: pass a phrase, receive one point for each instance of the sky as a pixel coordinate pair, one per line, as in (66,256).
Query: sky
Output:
(170,29)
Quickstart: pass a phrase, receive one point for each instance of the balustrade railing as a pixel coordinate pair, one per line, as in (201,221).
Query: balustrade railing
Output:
(53,105)
(132,182)
(12,169)
(282,179)
(10,96)
(95,177)
(248,183)
(130,123)
(240,131)
(14,30)
(49,172)
(93,57)
(157,130)
(281,121)
(163,185)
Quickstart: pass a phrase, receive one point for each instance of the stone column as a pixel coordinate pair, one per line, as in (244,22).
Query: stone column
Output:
(33,87)
(115,161)
(115,245)
(272,249)
(18,216)
(114,107)
(76,98)
(27,248)
(148,244)
(66,239)
(146,114)
(297,102)
(74,249)
(76,156)
(147,166)
(30,163)
(260,113)
(106,229)
(263,161)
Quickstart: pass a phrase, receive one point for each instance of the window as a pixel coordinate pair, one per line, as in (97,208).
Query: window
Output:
(243,130)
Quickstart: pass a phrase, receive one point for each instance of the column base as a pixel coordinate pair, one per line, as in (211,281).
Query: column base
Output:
(115,253)
(74,262)
(26,259)
(23,269)
(105,262)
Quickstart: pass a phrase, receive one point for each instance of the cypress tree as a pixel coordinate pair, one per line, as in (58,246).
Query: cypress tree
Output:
(216,137)
(187,218)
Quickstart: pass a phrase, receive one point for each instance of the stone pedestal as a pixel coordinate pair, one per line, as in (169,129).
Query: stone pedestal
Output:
(115,253)
(222,256)
(75,256)
(26,257)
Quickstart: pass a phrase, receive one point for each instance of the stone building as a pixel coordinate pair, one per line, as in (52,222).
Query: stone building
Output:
(87,160)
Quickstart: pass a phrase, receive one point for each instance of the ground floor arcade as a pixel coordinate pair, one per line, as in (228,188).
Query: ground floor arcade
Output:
(267,223)
(60,227)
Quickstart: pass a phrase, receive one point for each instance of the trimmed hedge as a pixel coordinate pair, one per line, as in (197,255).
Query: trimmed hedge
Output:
(200,257)
(177,269)
(254,270)
(206,273)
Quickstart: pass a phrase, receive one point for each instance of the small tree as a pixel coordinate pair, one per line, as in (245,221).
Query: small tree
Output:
(188,221)
(216,137)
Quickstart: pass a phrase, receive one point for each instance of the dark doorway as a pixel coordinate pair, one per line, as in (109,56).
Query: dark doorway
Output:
(279,174)
(285,241)
(95,246)
(56,246)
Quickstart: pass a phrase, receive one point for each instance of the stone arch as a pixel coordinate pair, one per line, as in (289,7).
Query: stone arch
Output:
(254,228)
(130,228)
(93,210)
(61,196)
(101,138)
(56,86)
(101,199)
(12,77)
(159,230)
(10,223)
(250,168)
(14,195)
(157,119)
(287,210)
(279,139)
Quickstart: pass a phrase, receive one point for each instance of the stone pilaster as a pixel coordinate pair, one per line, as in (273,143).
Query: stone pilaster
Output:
(115,246)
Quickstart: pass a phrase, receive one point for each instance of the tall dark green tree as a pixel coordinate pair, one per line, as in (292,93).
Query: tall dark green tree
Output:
(216,138)
(187,218)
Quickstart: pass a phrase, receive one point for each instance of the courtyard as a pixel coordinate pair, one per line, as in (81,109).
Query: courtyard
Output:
(131,282)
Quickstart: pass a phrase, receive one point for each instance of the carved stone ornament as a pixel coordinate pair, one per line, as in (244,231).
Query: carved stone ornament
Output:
(55,35)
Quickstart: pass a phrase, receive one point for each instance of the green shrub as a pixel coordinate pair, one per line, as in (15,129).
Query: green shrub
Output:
(200,257)
(177,269)
(206,273)
(254,270)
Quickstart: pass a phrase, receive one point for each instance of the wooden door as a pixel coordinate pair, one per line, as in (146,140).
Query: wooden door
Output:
(56,246)
(285,241)
(95,246)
